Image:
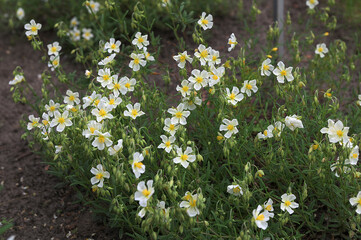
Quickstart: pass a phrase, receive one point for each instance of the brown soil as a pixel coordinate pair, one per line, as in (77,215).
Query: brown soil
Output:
(30,198)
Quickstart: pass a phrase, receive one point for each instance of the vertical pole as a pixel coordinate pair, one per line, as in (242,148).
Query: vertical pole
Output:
(280,20)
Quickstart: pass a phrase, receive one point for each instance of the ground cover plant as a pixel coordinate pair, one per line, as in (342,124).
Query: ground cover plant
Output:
(249,147)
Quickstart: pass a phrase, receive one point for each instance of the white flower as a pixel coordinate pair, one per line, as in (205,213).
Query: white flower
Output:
(179,115)
(268,206)
(133,111)
(45,120)
(268,133)
(142,212)
(92,126)
(116,148)
(354,155)
(190,103)
(34,122)
(87,33)
(143,193)
(101,140)
(185,89)
(229,126)
(184,158)
(248,86)
(147,55)
(32,28)
(52,107)
(54,62)
(235,96)
(336,131)
(61,121)
(164,211)
(293,122)
(74,22)
(45,132)
(266,67)
(199,79)
(278,128)
(72,98)
(94,99)
(181,58)
(74,34)
(235,190)
(340,167)
(112,46)
(206,22)
(190,204)
(20,13)
(215,75)
(102,111)
(137,166)
(213,58)
(167,143)
(58,149)
(359,100)
(17,79)
(126,85)
(202,53)
(104,77)
(140,40)
(311,3)
(170,127)
(282,72)
(137,60)
(100,174)
(232,41)
(356,201)
(92,6)
(54,49)
(112,101)
(261,218)
(107,60)
(288,203)
(321,49)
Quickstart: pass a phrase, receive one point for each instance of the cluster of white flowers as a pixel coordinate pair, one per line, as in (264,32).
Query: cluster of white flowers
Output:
(272,131)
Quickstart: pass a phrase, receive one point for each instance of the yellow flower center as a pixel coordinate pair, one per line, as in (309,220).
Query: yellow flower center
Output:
(219,138)
(265,67)
(315,146)
(61,120)
(136,61)
(215,77)
(204,53)
(102,112)
(268,207)
(320,49)
(248,86)
(138,165)
(134,112)
(230,42)
(230,127)
(193,203)
(71,98)
(99,176)
(140,40)
(185,88)
(96,102)
(236,190)
(283,73)
(92,5)
(106,77)
(34,123)
(73,109)
(205,21)
(171,126)
(359,201)
(260,217)
(184,157)
(187,197)
(199,79)
(117,86)
(339,133)
(232,96)
(178,114)
(146,192)
(167,144)
(328,94)
(101,139)
(182,58)
(55,62)
(127,85)
(312,1)
(53,49)
(355,155)
(113,46)
(33,28)
(45,122)
(52,108)
(265,132)
(111,101)
(287,203)
(87,34)
(214,58)
(92,130)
